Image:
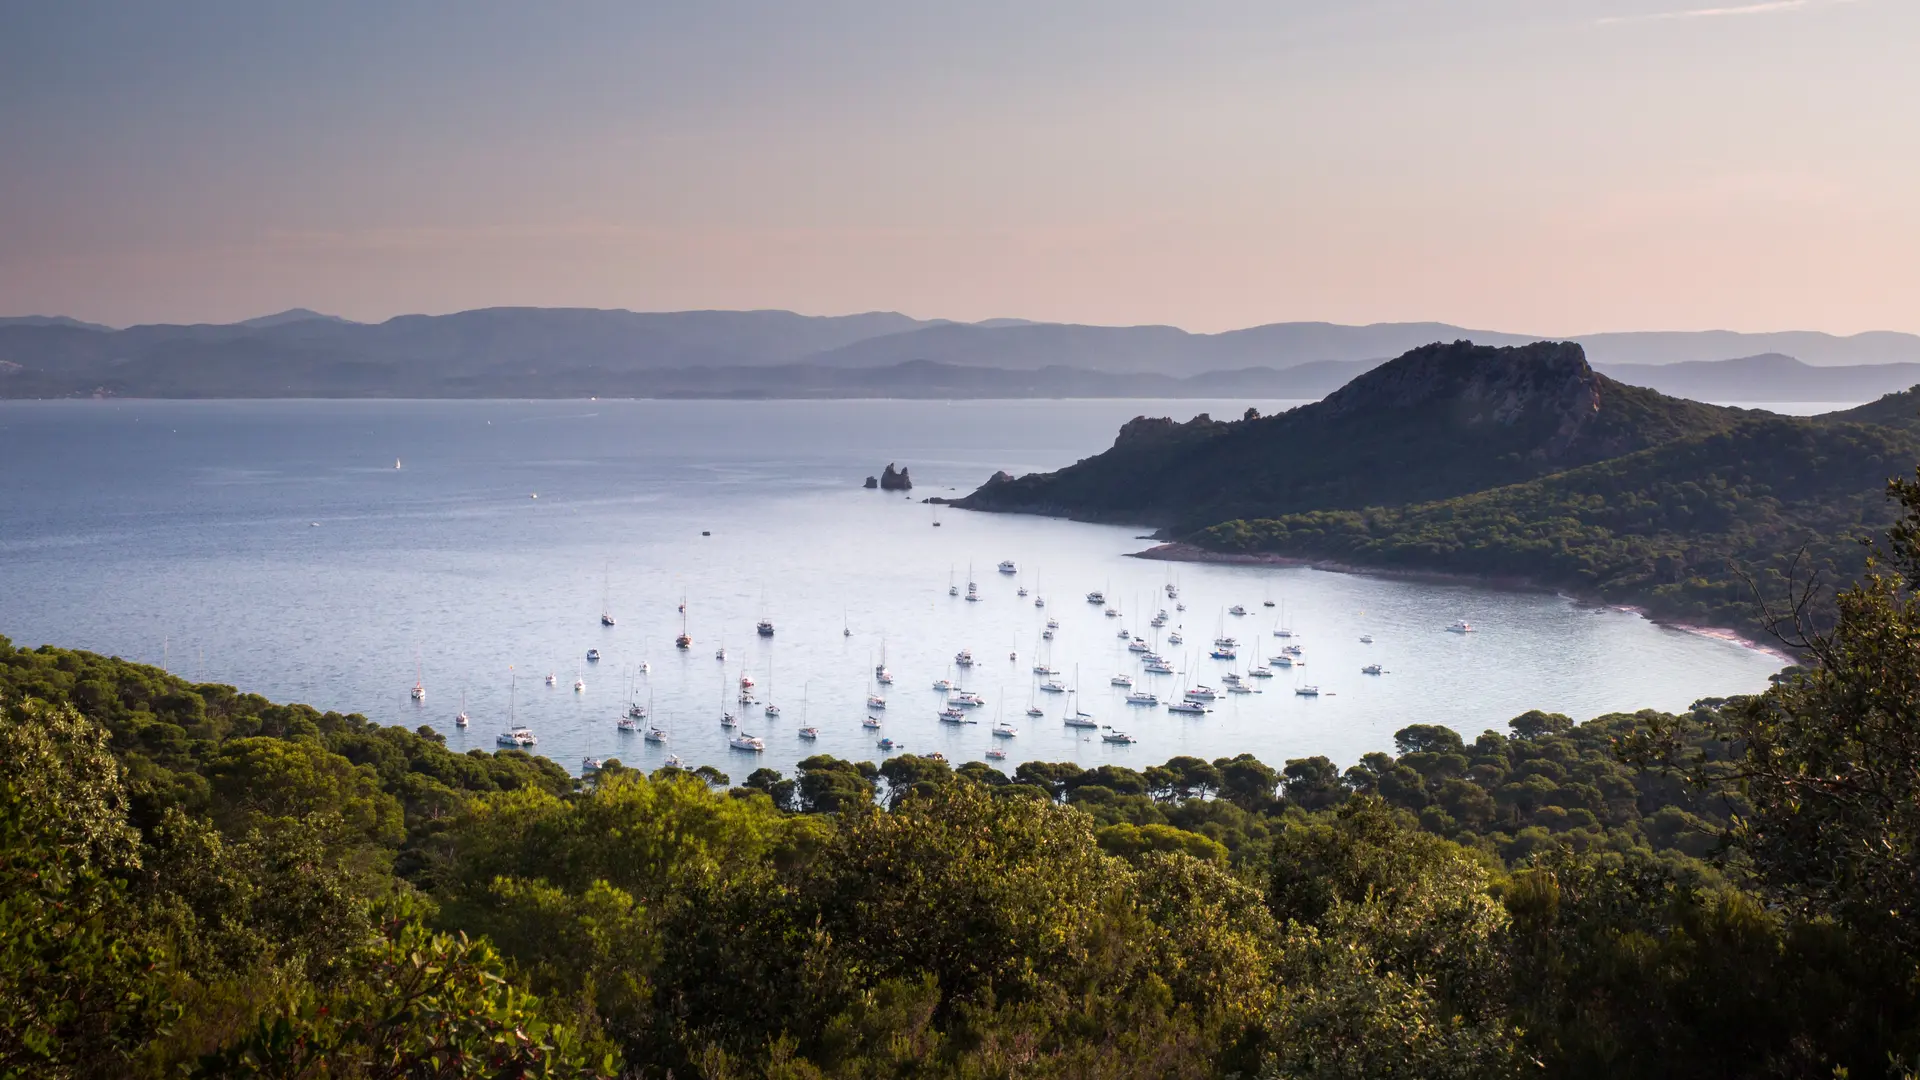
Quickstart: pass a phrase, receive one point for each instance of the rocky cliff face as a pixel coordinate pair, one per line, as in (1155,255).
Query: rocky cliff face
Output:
(1547,384)
(892,480)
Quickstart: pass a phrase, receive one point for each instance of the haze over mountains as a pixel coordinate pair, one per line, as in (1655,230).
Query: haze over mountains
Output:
(575,352)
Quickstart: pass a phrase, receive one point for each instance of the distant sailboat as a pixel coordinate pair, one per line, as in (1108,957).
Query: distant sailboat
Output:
(419,680)
(606,586)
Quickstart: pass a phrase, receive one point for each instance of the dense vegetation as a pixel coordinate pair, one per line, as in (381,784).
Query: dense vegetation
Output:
(199,882)
(1441,421)
(1684,529)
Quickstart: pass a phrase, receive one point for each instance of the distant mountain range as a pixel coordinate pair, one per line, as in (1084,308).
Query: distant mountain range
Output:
(566,352)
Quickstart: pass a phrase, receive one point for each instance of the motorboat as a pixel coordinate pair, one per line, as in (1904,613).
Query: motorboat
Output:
(1121,680)
(673,762)
(963,658)
(809,733)
(1053,624)
(720,654)
(1220,653)
(1142,697)
(871,723)
(1370,669)
(1007,567)
(1266,603)
(1005,731)
(1112,613)
(1042,669)
(1052,686)
(1046,635)
(593,656)
(1366,639)
(888,745)
(1097,597)
(606,619)
(1226,643)
(1190,707)
(764,628)
(1119,737)
(751,743)
(936,756)
(1460,626)
(1307,691)
(1236,610)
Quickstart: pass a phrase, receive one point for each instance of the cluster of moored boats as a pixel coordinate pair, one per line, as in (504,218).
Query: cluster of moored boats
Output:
(958,705)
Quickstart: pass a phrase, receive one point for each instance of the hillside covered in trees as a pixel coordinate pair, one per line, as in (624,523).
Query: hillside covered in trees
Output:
(200,882)
(1514,464)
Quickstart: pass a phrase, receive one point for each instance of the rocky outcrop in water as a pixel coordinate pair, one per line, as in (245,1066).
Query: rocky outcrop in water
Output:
(892,480)
(872,482)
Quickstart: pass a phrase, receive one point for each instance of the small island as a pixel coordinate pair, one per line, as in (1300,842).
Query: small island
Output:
(895,480)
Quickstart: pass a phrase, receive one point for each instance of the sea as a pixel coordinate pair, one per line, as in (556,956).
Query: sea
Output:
(337,552)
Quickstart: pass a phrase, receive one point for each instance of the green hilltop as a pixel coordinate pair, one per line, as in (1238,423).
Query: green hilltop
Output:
(1516,464)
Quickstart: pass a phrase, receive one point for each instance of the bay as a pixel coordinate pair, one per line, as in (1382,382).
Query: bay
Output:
(277,547)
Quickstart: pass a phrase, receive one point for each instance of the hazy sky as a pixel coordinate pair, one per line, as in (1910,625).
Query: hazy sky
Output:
(1549,166)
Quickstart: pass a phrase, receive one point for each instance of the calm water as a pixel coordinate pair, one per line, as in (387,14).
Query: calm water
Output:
(274,546)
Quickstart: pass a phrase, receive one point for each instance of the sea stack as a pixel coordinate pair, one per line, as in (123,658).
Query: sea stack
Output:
(872,483)
(892,480)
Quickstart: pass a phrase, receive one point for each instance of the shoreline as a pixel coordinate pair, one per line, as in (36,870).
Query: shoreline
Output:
(1178,551)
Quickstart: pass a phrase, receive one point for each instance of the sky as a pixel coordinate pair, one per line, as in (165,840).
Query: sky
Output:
(1538,166)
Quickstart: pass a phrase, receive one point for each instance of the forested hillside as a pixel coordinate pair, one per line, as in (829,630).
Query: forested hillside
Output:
(1688,530)
(1440,421)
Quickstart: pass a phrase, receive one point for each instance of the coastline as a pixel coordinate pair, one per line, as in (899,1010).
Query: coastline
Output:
(1179,551)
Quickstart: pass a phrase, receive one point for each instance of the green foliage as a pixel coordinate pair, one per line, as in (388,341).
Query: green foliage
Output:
(78,992)
(419,1004)
(1676,529)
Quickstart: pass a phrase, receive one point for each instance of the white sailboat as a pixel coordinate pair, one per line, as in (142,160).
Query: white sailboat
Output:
(606,594)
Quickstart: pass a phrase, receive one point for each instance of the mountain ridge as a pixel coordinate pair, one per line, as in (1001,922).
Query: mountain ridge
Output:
(506,351)
(1440,420)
